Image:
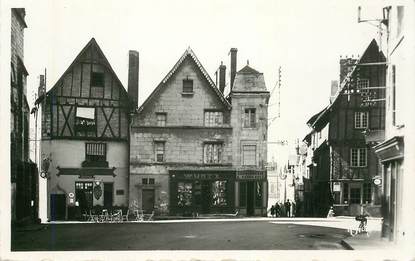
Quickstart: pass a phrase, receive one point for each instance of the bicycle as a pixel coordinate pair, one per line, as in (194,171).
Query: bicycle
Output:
(362,228)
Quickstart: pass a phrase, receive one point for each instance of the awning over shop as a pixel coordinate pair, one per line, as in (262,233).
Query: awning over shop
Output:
(391,149)
(86,172)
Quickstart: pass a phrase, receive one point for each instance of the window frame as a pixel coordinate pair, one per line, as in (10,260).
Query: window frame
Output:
(362,84)
(243,154)
(85,129)
(156,159)
(359,159)
(184,90)
(159,121)
(249,121)
(211,116)
(96,157)
(219,151)
(359,121)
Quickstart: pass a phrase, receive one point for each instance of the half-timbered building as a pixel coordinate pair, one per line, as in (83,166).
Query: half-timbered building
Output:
(85,136)
(344,162)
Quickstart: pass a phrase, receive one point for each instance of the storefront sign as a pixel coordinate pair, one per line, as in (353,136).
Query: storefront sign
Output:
(251,175)
(377,181)
(336,187)
(201,176)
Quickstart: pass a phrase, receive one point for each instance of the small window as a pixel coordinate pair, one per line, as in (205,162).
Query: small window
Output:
(97,79)
(85,125)
(151,181)
(249,118)
(161,119)
(362,85)
(119,192)
(96,152)
(188,86)
(361,120)
(159,151)
(249,155)
(213,118)
(212,153)
(144,181)
(358,157)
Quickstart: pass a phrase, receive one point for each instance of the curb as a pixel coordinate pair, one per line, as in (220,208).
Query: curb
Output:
(346,245)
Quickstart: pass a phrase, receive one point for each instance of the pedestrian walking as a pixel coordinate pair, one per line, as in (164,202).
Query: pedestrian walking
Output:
(293,209)
(287,206)
(272,211)
(277,209)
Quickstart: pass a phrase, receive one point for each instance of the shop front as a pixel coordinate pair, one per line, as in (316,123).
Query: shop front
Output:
(195,192)
(252,192)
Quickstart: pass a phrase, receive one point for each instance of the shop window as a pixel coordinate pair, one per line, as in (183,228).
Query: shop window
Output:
(161,119)
(242,193)
(249,155)
(361,119)
(345,193)
(85,125)
(367,193)
(97,79)
(213,118)
(187,86)
(358,157)
(159,151)
(258,194)
(336,197)
(184,194)
(95,152)
(219,193)
(249,118)
(212,153)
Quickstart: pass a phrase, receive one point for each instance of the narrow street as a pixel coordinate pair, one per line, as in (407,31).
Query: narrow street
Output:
(207,235)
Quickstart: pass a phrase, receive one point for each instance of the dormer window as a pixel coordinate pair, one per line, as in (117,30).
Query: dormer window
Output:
(187,86)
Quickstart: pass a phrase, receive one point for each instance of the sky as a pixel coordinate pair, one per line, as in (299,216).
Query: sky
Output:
(305,38)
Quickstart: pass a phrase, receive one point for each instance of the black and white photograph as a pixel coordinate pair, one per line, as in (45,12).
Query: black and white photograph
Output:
(207,130)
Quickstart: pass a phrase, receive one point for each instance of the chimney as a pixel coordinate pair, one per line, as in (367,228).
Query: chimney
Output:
(346,65)
(133,63)
(222,75)
(233,52)
(334,89)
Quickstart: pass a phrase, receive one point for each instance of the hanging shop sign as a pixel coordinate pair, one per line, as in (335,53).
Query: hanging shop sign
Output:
(377,180)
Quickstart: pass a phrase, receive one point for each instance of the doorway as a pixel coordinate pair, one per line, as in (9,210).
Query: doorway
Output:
(83,193)
(250,191)
(148,200)
(57,206)
(108,195)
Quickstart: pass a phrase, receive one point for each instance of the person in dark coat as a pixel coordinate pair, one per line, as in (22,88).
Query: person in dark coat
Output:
(272,211)
(287,206)
(277,209)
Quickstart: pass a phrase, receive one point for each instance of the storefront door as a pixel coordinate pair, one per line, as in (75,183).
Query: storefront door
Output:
(57,206)
(148,200)
(206,197)
(250,200)
(83,192)
(108,195)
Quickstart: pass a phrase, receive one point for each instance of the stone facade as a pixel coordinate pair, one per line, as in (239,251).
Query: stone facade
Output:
(183,181)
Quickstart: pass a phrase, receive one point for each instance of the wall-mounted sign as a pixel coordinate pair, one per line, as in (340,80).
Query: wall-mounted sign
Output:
(71,195)
(377,181)
(97,192)
(251,175)
(336,187)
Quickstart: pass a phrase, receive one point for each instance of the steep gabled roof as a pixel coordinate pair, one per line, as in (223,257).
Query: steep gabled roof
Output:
(189,52)
(248,70)
(365,58)
(91,44)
